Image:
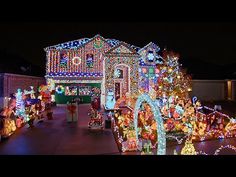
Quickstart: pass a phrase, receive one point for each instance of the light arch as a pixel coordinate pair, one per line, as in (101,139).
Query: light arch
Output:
(161,135)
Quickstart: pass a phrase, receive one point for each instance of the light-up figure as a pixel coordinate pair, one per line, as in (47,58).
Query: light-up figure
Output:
(110,102)
(20,105)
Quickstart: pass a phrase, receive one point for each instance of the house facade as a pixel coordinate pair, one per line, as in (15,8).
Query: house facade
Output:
(74,68)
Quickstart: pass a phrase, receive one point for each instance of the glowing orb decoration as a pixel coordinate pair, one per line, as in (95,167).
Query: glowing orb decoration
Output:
(76,61)
(161,135)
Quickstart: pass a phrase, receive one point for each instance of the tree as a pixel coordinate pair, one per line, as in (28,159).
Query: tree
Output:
(173,82)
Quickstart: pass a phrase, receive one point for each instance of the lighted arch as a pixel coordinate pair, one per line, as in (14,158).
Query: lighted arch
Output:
(161,135)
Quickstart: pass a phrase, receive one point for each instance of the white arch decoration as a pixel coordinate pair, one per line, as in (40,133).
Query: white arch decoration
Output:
(161,134)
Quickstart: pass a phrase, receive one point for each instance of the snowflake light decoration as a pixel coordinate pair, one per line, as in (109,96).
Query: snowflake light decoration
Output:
(117,73)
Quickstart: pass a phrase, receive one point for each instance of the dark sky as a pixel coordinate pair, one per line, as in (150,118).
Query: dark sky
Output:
(210,42)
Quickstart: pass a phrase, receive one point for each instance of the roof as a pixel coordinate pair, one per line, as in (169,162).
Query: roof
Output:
(75,44)
(153,45)
(130,49)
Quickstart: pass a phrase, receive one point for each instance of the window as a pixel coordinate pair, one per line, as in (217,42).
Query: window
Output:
(85,91)
(89,60)
(63,59)
(71,91)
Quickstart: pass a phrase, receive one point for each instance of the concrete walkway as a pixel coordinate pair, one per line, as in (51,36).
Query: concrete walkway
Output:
(58,137)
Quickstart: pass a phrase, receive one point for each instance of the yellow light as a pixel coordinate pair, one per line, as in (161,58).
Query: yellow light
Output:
(189,89)
(178,77)
(170,70)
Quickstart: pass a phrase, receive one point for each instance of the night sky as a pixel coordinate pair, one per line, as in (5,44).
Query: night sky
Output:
(212,43)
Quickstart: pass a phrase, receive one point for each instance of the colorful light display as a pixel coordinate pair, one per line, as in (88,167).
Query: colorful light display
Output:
(76,61)
(20,105)
(161,139)
(60,89)
(123,69)
(188,148)
(172,80)
(122,55)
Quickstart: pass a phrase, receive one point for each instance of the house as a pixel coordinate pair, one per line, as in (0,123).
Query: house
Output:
(9,83)
(74,68)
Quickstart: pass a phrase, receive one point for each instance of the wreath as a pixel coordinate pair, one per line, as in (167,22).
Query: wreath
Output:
(60,89)
(76,61)
(98,43)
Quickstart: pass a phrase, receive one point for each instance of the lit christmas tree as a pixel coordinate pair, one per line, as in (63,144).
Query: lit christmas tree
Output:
(173,82)
(172,79)
(20,105)
(188,148)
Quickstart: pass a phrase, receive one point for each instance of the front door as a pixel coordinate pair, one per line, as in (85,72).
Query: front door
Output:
(117,90)
(121,80)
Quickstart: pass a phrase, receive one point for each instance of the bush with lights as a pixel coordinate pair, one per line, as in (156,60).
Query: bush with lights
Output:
(96,119)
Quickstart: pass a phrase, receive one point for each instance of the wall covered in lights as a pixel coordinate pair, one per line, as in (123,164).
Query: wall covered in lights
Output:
(116,65)
(122,55)
(9,83)
(75,90)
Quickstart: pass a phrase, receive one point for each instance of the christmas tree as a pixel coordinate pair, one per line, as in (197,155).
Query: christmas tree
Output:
(173,82)
(20,105)
(188,148)
(172,78)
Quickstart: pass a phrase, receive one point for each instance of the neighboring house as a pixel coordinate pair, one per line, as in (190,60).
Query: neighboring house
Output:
(214,90)
(9,83)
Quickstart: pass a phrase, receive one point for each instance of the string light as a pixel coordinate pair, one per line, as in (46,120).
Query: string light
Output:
(224,147)
(161,135)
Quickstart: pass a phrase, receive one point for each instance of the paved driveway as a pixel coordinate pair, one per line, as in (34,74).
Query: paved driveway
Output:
(59,137)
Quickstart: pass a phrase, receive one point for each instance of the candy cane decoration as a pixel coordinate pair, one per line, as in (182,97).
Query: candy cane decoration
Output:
(194,99)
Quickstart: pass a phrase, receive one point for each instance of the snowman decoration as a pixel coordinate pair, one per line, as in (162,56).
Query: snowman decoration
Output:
(110,102)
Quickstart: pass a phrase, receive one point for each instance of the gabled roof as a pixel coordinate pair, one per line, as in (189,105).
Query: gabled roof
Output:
(75,44)
(127,47)
(157,56)
(150,44)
